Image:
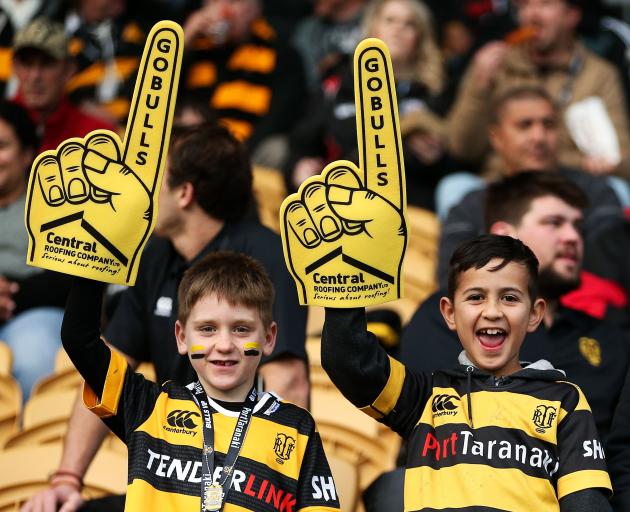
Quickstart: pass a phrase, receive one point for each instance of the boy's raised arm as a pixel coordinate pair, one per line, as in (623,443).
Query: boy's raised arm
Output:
(344,238)
(588,500)
(374,382)
(81,334)
(356,363)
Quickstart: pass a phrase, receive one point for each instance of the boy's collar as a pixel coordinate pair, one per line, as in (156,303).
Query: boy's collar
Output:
(541,364)
(263,399)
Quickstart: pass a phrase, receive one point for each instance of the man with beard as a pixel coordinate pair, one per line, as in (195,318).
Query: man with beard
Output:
(545,211)
(524,132)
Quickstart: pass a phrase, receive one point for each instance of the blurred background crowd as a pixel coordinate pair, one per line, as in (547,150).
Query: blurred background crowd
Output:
(487,90)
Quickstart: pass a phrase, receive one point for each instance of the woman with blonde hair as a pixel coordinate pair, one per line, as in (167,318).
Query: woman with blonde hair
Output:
(328,131)
(406,26)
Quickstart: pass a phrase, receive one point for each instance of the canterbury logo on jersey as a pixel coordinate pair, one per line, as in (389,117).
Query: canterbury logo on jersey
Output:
(464,448)
(182,421)
(250,484)
(444,405)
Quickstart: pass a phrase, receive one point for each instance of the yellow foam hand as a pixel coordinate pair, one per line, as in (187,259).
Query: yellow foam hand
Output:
(344,232)
(92,203)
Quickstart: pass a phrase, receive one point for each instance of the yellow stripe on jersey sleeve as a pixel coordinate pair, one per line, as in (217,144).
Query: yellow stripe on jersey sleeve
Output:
(143,496)
(386,401)
(582,404)
(112,389)
(539,418)
(580,480)
(465,484)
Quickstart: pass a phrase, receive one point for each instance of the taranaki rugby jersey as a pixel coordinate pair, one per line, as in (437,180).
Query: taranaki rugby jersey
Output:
(281,467)
(475,442)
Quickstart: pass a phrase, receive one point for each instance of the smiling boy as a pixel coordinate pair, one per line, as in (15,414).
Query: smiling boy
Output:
(217,443)
(490,433)
(492,305)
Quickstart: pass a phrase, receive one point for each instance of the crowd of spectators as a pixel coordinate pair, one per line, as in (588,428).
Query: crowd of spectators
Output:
(488,92)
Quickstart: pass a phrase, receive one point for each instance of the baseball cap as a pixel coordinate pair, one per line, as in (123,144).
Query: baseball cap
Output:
(44,35)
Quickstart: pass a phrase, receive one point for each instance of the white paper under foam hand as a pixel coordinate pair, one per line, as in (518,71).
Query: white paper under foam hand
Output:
(592,130)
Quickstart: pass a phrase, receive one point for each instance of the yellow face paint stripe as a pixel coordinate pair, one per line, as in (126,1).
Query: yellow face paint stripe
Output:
(252,348)
(197,351)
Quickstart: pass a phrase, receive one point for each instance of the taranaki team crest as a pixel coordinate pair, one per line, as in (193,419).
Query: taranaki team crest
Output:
(283,447)
(543,417)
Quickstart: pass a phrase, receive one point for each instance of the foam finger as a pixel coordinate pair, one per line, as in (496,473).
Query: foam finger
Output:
(327,223)
(150,118)
(76,186)
(50,182)
(378,129)
(301,224)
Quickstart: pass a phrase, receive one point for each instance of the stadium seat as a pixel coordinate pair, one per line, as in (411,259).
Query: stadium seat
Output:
(314,321)
(6,359)
(328,404)
(269,191)
(65,375)
(10,406)
(58,381)
(30,467)
(346,481)
(420,263)
(367,454)
(62,362)
(44,419)
(148,370)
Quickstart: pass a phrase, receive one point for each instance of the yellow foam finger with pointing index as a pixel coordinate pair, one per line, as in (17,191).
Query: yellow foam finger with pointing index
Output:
(378,129)
(92,203)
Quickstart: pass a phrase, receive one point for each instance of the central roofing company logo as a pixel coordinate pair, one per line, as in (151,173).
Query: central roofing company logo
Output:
(543,417)
(182,419)
(283,447)
(444,405)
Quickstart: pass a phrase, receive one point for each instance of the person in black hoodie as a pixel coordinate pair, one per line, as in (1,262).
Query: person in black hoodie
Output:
(488,433)
(546,212)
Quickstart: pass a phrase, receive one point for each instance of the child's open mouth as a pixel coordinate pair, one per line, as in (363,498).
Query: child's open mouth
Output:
(491,338)
(224,363)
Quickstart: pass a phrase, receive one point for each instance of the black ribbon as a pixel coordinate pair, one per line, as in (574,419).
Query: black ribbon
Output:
(238,436)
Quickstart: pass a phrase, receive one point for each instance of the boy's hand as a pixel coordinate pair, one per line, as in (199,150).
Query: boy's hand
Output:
(91,204)
(344,232)
(61,498)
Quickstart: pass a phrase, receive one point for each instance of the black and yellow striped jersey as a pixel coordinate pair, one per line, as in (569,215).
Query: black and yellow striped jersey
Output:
(281,466)
(107,58)
(255,88)
(475,442)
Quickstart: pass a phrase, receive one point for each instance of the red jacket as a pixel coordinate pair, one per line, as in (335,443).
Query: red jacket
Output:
(65,122)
